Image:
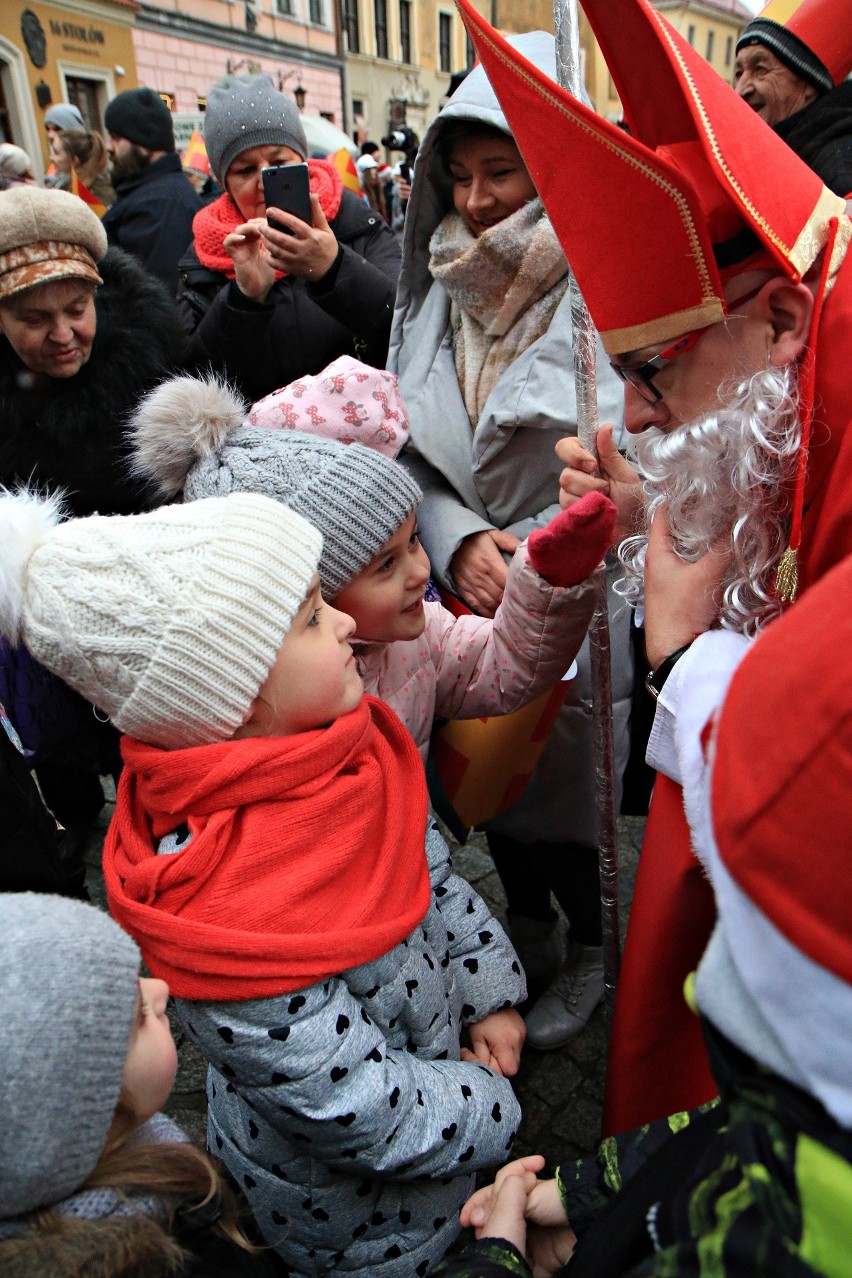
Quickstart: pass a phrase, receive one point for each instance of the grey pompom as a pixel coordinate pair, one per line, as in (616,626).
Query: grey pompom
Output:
(178,423)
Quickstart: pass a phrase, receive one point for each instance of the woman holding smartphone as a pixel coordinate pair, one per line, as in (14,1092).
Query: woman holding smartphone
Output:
(265,303)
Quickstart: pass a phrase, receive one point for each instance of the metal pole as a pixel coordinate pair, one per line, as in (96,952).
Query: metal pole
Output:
(567,28)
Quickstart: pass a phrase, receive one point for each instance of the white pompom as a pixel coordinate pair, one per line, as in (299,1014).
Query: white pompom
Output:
(179,422)
(26,520)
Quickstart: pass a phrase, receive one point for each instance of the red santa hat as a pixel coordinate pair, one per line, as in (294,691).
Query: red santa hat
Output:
(808,36)
(782,774)
(772,828)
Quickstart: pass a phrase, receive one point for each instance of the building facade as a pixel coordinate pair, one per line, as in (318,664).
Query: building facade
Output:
(80,51)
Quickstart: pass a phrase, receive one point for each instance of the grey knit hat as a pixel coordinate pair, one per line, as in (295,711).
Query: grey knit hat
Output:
(170,621)
(67,1001)
(64,116)
(245,111)
(187,435)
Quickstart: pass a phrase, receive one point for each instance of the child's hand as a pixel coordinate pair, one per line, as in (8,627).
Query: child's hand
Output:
(610,474)
(496,1041)
(493,1212)
(476,1212)
(574,542)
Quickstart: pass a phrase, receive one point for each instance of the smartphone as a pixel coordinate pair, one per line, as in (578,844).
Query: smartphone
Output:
(405,172)
(287,187)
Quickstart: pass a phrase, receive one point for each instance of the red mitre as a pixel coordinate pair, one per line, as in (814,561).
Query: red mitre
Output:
(702,188)
(812,37)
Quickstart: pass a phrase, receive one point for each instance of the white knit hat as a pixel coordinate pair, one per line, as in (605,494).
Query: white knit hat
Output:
(169,621)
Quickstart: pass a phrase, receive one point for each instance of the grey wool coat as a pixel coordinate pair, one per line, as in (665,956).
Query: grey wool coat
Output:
(344,1112)
(504,473)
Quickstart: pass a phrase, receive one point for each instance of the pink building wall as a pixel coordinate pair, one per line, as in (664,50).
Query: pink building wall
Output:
(188,68)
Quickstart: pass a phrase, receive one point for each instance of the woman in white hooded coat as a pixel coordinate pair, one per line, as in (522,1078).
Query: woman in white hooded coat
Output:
(481,342)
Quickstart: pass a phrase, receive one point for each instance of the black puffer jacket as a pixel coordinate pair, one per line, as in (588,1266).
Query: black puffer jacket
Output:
(68,433)
(301,327)
(821,135)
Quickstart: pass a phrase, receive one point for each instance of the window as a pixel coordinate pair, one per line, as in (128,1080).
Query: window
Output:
(381,22)
(350,25)
(711,40)
(445,41)
(405,30)
(316,13)
(469,52)
(83,94)
(690,33)
(284,7)
(729,50)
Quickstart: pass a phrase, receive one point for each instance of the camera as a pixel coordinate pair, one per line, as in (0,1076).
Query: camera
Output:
(402,139)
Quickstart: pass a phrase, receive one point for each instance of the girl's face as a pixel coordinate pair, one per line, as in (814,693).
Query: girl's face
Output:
(314,679)
(151,1065)
(386,597)
(490,180)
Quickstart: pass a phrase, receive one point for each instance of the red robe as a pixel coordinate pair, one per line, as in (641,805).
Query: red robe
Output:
(657,1061)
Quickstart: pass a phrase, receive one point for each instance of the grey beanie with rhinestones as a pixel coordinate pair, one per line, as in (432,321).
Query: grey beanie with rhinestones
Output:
(187,436)
(245,111)
(67,1001)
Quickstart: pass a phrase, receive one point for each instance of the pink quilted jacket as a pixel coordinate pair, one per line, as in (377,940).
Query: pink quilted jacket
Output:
(461,668)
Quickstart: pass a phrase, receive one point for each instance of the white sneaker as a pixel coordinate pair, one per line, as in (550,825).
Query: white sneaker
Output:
(566,1005)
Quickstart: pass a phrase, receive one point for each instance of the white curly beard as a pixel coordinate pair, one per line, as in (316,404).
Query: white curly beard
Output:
(728,471)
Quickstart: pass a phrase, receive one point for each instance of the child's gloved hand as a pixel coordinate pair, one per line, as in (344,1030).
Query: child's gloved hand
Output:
(574,542)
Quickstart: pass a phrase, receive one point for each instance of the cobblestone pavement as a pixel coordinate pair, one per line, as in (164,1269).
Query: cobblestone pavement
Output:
(560,1091)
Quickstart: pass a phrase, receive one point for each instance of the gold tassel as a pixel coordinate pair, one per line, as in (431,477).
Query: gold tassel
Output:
(787,577)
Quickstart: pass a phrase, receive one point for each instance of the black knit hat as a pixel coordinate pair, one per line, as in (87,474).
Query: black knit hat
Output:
(789,49)
(141,116)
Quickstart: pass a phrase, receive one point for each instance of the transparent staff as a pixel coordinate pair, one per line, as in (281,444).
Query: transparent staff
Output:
(568,74)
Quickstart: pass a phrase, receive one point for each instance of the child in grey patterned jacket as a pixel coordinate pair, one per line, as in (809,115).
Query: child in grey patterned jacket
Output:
(353,997)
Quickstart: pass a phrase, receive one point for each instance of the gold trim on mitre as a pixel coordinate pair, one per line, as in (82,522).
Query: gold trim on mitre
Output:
(665,328)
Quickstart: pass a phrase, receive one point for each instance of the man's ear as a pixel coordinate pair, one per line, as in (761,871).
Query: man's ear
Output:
(789,310)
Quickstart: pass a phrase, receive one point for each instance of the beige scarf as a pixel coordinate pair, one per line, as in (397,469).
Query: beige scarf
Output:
(504,288)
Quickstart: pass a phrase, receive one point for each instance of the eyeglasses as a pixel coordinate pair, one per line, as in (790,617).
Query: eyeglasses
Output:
(641,377)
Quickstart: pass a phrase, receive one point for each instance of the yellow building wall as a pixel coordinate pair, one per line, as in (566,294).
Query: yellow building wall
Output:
(77,39)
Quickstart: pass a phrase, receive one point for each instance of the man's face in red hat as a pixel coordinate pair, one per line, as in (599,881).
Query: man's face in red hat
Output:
(690,384)
(768,86)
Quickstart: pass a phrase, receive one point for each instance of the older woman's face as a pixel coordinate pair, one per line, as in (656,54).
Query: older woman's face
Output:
(243,181)
(51,327)
(490,180)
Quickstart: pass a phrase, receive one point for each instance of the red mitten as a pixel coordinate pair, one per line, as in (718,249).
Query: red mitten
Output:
(574,542)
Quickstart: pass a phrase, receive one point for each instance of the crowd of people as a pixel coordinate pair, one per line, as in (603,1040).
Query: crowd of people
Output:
(283,500)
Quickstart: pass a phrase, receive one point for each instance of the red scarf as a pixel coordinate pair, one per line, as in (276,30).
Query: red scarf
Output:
(306,858)
(216,220)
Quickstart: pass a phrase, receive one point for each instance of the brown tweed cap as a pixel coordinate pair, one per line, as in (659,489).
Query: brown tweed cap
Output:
(45,236)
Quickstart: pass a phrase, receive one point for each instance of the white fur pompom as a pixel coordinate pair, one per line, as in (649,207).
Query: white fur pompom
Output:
(178,423)
(26,520)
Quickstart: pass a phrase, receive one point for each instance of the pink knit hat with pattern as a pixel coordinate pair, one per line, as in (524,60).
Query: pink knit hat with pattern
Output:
(348,401)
